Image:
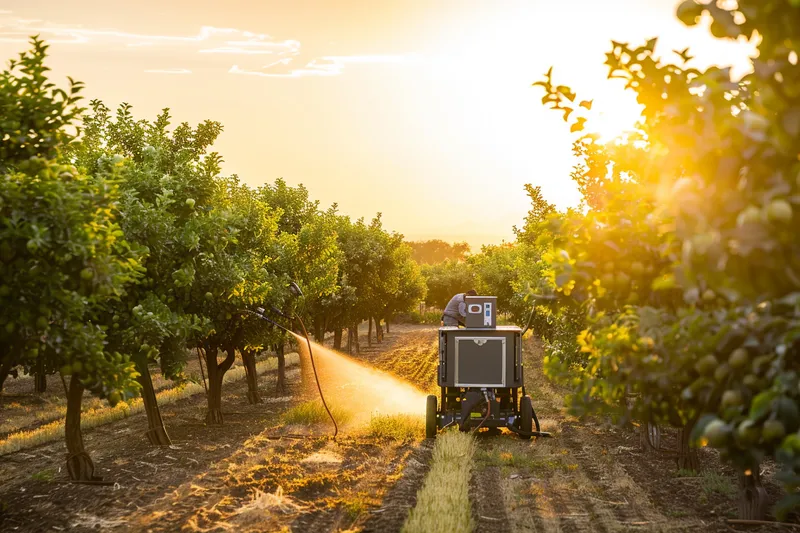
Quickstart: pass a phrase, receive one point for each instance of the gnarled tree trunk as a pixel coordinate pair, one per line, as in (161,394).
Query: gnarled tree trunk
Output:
(249,362)
(369,332)
(650,437)
(79,464)
(378,330)
(156,432)
(356,342)
(386,321)
(216,371)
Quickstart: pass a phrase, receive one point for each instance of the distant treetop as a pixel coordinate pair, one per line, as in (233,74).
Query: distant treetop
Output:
(436,251)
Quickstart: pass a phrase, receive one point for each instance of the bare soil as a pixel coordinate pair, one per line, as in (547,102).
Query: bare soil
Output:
(252,474)
(256,474)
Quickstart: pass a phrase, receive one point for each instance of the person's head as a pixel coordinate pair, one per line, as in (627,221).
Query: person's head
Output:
(471,292)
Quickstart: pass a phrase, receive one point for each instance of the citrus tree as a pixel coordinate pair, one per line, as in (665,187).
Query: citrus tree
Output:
(719,169)
(63,257)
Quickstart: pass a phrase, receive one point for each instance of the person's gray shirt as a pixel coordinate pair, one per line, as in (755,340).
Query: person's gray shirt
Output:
(455,307)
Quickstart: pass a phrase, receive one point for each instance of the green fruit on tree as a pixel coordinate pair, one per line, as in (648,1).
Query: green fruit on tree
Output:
(87,274)
(787,412)
(747,433)
(749,215)
(77,367)
(66,370)
(190,203)
(10,327)
(751,382)
(32,246)
(732,398)
(706,365)
(209,296)
(709,295)
(637,268)
(42,322)
(739,358)
(114,398)
(779,211)
(722,372)
(717,433)
(773,430)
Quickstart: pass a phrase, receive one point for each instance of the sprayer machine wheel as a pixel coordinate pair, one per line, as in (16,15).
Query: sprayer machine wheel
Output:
(430,417)
(526,417)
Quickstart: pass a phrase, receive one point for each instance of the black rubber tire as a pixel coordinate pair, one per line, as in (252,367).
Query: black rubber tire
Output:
(430,418)
(526,417)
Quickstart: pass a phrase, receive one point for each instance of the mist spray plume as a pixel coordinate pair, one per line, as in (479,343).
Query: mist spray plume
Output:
(353,386)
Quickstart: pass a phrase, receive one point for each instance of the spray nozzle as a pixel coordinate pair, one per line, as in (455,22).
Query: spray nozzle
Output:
(295,289)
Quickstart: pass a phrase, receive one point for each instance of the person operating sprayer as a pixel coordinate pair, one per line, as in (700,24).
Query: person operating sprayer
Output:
(456,309)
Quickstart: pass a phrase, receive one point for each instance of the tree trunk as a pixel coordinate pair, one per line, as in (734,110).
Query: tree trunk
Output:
(386,320)
(216,371)
(249,361)
(378,330)
(280,386)
(40,382)
(5,370)
(687,455)
(369,332)
(350,341)
(79,464)
(356,340)
(337,339)
(752,495)
(649,437)
(156,432)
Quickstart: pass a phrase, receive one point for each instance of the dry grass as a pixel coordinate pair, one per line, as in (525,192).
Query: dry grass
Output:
(105,415)
(313,412)
(396,427)
(443,504)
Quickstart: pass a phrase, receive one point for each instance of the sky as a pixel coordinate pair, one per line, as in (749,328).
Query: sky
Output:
(422,110)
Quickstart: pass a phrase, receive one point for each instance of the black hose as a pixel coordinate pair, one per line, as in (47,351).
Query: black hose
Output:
(529,433)
(316,378)
(488,413)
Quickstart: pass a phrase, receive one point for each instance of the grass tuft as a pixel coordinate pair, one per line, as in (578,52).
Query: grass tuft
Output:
(443,501)
(313,412)
(713,482)
(396,427)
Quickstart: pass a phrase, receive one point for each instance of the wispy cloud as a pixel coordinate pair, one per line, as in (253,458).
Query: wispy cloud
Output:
(169,71)
(211,45)
(322,66)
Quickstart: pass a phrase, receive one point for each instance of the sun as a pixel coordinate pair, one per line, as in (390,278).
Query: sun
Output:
(615,113)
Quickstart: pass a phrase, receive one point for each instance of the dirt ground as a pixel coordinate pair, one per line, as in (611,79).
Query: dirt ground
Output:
(256,474)
(594,477)
(252,474)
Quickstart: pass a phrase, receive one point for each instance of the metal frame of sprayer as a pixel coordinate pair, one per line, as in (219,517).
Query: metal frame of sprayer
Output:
(481,376)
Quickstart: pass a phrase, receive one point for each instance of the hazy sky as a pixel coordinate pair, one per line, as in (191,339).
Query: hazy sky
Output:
(420,109)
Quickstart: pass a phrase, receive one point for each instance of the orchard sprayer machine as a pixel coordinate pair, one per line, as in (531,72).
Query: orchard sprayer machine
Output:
(481,376)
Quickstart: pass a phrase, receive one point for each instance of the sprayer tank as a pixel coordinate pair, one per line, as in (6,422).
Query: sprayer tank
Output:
(480,357)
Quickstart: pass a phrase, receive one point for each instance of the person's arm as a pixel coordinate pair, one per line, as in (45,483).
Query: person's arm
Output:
(462,309)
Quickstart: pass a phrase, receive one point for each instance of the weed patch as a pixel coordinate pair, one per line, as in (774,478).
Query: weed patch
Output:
(396,427)
(443,502)
(313,412)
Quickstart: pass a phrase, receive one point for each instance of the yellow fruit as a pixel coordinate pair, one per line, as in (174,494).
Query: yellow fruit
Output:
(114,398)
(709,295)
